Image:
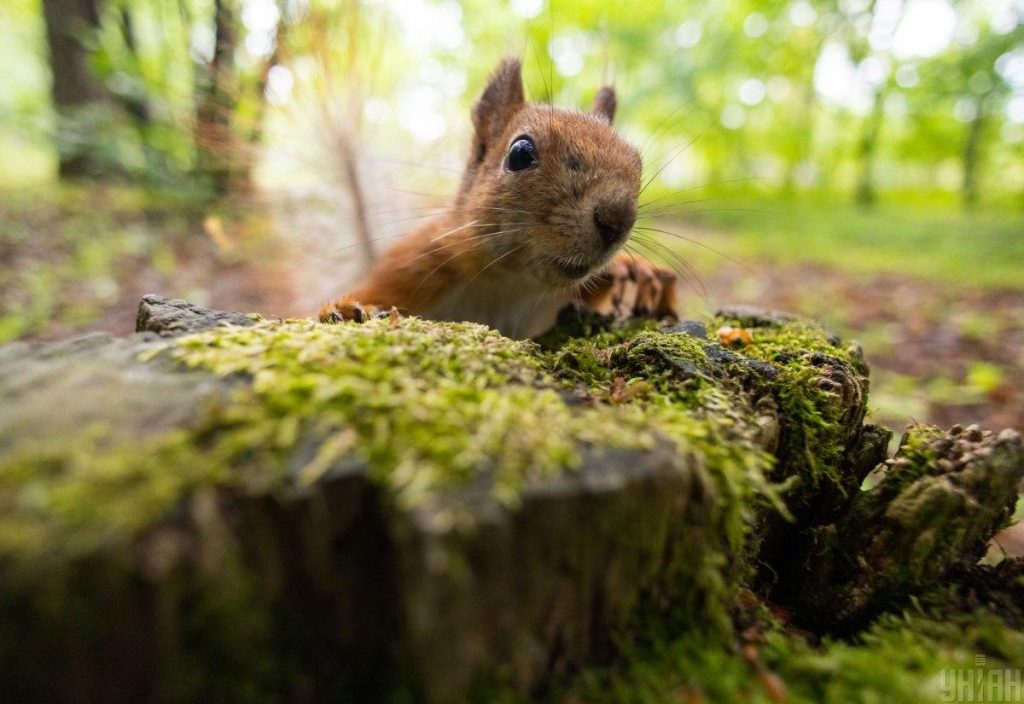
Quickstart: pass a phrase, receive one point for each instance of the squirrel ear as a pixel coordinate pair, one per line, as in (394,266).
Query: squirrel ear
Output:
(604,103)
(501,99)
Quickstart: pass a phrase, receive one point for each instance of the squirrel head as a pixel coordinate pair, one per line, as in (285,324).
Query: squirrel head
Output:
(554,191)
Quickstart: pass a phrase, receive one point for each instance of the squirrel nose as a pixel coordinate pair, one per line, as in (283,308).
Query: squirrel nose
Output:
(613,221)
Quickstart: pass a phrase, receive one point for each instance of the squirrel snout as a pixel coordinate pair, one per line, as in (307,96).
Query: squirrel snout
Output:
(613,222)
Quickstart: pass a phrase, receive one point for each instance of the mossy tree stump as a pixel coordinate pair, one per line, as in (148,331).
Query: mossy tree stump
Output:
(222,508)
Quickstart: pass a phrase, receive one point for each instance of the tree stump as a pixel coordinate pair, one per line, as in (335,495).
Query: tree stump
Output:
(223,508)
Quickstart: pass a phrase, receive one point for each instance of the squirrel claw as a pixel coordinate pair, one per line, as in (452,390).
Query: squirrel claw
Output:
(634,288)
(346,309)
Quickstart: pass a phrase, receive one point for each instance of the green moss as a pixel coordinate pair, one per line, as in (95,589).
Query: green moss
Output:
(820,388)
(575,324)
(901,658)
(665,358)
(65,500)
(816,377)
(424,406)
(424,409)
(910,657)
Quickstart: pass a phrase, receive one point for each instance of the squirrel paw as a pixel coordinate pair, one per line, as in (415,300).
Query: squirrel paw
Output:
(346,309)
(633,288)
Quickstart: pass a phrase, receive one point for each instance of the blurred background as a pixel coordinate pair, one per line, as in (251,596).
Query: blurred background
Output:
(859,161)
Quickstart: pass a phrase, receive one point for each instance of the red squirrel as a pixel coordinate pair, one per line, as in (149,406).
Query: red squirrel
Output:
(547,198)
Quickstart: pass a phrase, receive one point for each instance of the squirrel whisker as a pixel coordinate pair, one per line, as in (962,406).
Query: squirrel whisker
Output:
(696,188)
(677,261)
(695,242)
(670,209)
(481,236)
(674,157)
(452,231)
(479,240)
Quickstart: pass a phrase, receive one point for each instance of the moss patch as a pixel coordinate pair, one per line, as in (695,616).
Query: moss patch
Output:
(910,657)
(811,393)
(819,386)
(425,406)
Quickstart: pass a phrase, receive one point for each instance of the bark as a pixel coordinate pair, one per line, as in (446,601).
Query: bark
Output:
(943,497)
(75,88)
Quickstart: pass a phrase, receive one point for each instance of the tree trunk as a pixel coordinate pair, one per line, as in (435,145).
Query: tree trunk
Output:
(75,88)
(219,150)
(972,153)
(808,102)
(272,61)
(867,150)
(137,104)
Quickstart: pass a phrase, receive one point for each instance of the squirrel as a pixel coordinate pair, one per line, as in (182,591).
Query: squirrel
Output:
(548,197)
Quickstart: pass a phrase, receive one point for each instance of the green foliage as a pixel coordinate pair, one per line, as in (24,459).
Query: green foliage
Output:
(737,79)
(814,446)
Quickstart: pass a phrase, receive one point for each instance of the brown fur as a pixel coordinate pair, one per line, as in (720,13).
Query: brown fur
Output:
(516,246)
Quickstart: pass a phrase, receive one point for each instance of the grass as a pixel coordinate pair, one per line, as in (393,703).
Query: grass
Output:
(931,239)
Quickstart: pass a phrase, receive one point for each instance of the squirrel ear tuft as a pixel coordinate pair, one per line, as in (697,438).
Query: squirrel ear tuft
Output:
(501,99)
(604,103)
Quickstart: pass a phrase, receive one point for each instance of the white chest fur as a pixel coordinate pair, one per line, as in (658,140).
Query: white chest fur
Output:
(512,306)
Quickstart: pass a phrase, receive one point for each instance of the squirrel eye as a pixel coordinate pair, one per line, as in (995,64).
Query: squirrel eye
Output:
(522,155)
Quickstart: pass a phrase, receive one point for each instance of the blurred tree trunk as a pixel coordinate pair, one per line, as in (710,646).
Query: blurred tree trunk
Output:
(972,152)
(75,87)
(806,139)
(230,106)
(867,150)
(218,148)
(137,103)
(275,59)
